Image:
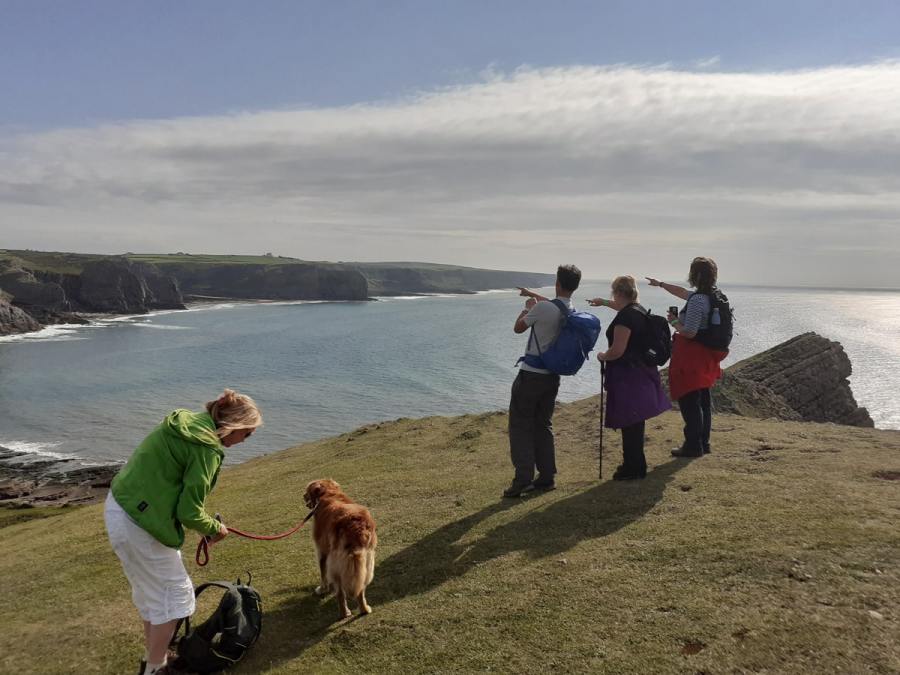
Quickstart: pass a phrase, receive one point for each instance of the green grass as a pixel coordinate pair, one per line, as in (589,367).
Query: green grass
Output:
(766,556)
(48,261)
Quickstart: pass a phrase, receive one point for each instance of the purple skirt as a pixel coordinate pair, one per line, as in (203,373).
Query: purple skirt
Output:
(633,394)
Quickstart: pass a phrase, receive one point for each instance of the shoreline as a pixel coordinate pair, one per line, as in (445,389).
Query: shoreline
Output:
(91,320)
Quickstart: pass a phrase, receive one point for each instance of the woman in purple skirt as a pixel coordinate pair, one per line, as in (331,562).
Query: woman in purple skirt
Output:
(634,393)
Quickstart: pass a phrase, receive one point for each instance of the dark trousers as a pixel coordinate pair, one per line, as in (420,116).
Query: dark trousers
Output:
(633,449)
(531,426)
(696,410)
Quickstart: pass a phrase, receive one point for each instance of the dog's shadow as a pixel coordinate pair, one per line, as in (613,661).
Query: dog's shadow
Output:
(305,618)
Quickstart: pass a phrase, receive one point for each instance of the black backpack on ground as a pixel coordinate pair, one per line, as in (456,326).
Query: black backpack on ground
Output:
(721,323)
(223,639)
(656,349)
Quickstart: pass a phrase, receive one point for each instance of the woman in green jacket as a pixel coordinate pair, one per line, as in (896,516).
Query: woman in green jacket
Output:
(159,492)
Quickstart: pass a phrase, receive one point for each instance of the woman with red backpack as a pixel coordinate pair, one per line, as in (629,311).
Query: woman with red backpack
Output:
(703,330)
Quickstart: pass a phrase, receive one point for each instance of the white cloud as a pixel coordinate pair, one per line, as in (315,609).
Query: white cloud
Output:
(644,166)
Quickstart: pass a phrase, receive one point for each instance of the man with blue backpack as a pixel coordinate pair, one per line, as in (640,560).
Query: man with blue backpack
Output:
(559,343)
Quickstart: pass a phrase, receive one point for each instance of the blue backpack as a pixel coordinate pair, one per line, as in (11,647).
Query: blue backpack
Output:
(568,352)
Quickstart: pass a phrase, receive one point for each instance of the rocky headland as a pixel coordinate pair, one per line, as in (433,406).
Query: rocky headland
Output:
(804,379)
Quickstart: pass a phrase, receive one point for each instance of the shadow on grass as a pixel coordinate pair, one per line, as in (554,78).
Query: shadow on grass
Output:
(589,514)
(439,557)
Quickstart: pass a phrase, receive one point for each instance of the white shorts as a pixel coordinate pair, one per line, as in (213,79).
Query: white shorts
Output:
(160,586)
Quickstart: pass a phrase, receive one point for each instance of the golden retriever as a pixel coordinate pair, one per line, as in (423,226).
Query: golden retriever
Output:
(345,539)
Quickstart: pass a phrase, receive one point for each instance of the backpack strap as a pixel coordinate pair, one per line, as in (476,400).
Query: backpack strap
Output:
(197,591)
(561,306)
(537,361)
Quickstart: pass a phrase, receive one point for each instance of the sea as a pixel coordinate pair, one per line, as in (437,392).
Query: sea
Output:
(91,393)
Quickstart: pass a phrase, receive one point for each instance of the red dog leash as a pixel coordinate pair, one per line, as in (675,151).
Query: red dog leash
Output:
(202,556)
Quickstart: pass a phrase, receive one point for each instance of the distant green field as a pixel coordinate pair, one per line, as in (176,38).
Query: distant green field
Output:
(73,263)
(203,259)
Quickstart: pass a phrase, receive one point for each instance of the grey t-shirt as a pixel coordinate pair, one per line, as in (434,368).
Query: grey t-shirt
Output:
(546,320)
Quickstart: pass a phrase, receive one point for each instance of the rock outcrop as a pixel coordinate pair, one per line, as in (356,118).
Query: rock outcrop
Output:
(14,320)
(26,481)
(805,378)
(28,291)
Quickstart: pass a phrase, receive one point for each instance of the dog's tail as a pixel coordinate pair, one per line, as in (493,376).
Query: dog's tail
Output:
(357,571)
(358,554)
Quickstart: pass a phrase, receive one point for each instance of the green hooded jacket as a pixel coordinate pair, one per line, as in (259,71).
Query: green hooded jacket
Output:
(164,484)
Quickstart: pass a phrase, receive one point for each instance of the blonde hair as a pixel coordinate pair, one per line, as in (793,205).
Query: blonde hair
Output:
(232,411)
(626,287)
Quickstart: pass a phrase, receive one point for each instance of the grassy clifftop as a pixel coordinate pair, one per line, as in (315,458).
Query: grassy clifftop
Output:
(778,553)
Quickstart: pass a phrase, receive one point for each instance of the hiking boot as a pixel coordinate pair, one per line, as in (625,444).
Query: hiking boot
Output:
(626,474)
(681,452)
(543,484)
(518,490)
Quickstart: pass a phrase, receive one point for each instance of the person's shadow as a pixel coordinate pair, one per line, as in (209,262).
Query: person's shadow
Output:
(440,556)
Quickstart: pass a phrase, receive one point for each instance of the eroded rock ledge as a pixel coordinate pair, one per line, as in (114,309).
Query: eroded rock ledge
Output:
(804,378)
(26,480)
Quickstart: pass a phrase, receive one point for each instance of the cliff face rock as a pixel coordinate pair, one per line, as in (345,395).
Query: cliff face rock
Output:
(28,290)
(14,320)
(804,378)
(121,286)
(106,285)
(289,281)
(163,289)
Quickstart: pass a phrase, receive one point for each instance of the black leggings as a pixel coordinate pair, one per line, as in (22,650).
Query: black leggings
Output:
(696,410)
(633,449)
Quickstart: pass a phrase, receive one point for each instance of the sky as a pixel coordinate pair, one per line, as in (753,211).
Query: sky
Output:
(624,137)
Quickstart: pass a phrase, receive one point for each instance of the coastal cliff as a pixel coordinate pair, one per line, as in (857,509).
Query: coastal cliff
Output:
(106,285)
(55,287)
(282,281)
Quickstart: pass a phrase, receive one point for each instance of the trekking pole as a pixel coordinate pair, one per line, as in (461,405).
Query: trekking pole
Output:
(602,406)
